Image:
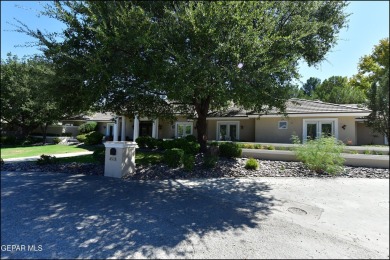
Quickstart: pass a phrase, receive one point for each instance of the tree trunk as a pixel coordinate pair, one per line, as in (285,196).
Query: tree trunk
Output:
(44,132)
(202,108)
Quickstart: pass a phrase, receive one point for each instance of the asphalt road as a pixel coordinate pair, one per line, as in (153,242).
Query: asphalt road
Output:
(54,215)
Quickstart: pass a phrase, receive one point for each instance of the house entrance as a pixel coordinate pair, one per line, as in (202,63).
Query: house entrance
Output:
(145,128)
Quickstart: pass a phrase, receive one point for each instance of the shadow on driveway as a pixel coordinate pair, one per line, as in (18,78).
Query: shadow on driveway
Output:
(76,216)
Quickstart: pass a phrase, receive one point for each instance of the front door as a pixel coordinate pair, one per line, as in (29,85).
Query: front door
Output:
(145,128)
(315,128)
(227,131)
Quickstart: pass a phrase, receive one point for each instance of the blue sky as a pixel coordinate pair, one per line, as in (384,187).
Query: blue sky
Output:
(368,23)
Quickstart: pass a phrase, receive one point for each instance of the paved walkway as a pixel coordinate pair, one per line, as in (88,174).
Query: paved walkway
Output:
(54,215)
(34,158)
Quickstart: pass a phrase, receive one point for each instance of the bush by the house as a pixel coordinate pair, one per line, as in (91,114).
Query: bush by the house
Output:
(321,155)
(173,157)
(94,138)
(87,127)
(191,138)
(81,138)
(56,140)
(46,159)
(141,141)
(188,162)
(99,154)
(146,142)
(252,164)
(32,140)
(8,140)
(210,161)
(230,150)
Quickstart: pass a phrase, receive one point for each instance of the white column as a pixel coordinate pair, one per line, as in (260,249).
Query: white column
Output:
(136,128)
(156,128)
(123,132)
(116,126)
(154,132)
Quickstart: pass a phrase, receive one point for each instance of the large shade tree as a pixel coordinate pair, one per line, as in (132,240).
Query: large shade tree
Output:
(338,90)
(195,57)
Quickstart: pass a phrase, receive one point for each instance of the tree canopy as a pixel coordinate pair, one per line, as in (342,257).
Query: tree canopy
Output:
(338,90)
(152,58)
(372,67)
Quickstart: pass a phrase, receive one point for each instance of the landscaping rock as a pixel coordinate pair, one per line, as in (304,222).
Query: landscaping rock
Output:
(225,168)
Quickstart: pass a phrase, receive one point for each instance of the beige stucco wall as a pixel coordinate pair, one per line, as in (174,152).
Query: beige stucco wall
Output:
(367,136)
(267,129)
(246,129)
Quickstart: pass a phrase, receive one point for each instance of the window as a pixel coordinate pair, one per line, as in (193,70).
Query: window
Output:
(314,128)
(282,124)
(183,129)
(228,131)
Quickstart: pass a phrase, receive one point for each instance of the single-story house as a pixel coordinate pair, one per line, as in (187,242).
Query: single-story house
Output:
(304,118)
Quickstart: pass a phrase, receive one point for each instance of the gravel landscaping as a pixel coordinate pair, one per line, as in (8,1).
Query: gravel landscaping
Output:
(224,168)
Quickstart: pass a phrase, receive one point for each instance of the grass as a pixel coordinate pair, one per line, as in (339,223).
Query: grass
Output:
(27,151)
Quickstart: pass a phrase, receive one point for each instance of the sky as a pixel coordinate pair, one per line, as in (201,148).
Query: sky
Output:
(368,23)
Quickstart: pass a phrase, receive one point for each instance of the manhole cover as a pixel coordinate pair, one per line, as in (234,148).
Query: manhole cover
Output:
(297,211)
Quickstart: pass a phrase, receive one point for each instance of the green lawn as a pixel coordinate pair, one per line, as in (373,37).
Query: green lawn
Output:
(26,151)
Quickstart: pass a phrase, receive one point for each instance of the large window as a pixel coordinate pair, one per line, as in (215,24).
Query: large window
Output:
(183,129)
(314,128)
(228,131)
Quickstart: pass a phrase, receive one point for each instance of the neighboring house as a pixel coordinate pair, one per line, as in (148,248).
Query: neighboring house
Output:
(305,118)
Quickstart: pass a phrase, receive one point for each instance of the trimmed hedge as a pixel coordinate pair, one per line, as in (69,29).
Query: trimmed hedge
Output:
(252,164)
(91,138)
(147,141)
(174,157)
(230,150)
(99,155)
(87,127)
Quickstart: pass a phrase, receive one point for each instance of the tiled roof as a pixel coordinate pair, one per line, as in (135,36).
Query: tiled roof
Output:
(298,106)
(94,117)
(101,117)
(303,106)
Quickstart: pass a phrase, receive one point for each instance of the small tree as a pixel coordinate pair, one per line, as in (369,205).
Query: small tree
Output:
(321,155)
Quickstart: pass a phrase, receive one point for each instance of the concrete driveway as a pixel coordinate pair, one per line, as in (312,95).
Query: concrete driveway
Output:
(54,215)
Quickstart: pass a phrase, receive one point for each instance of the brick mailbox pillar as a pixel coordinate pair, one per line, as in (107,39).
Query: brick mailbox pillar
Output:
(119,158)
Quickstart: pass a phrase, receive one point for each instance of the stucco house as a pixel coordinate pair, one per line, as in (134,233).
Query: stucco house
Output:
(304,118)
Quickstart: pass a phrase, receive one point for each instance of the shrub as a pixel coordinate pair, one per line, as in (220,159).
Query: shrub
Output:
(258,146)
(210,161)
(353,152)
(46,159)
(32,140)
(2,161)
(151,142)
(188,162)
(230,150)
(367,152)
(191,138)
(321,155)
(160,144)
(146,141)
(87,127)
(271,147)
(252,164)
(99,154)
(56,140)
(173,157)
(93,138)
(8,140)
(81,138)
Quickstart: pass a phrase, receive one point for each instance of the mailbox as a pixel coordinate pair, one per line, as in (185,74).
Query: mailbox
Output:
(119,158)
(112,151)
